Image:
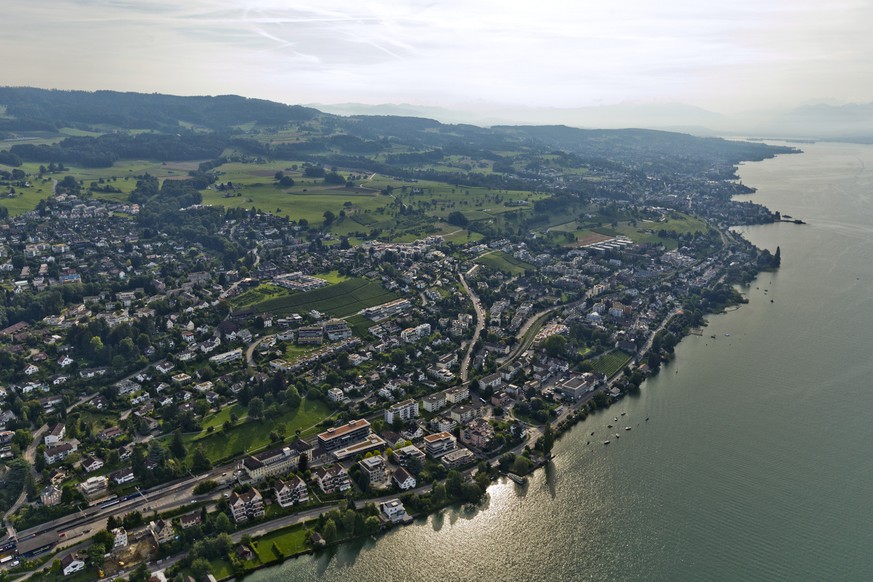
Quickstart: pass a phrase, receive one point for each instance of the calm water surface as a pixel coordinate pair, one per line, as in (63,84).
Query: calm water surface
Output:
(757,460)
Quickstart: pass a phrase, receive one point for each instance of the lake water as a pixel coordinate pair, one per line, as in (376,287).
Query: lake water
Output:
(757,460)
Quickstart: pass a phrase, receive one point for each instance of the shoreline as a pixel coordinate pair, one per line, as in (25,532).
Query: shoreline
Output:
(579,412)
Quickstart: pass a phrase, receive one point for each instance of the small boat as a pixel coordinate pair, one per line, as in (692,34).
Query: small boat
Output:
(618,436)
(712,336)
(727,335)
(516,479)
(647,419)
(615,419)
(606,442)
(608,426)
(627,428)
(623,413)
(592,433)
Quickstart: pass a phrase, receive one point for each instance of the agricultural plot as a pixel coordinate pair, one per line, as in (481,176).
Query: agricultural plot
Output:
(339,300)
(610,363)
(501,261)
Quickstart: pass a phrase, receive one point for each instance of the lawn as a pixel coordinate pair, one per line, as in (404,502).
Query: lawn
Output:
(250,435)
(610,363)
(289,541)
(504,262)
(340,300)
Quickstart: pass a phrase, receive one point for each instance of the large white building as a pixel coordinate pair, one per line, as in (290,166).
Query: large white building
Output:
(405,411)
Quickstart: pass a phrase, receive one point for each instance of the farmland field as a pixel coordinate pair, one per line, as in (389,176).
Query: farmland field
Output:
(339,300)
(503,262)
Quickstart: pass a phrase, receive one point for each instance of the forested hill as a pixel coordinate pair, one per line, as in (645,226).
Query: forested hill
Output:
(97,129)
(33,109)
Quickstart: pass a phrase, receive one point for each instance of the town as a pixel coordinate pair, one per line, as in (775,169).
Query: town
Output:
(177,377)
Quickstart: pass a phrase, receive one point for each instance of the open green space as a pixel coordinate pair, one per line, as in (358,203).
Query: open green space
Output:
(504,262)
(360,325)
(339,300)
(250,435)
(295,352)
(259,294)
(289,541)
(610,363)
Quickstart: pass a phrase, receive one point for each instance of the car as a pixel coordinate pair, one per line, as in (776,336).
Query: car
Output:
(226,495)
(223,474)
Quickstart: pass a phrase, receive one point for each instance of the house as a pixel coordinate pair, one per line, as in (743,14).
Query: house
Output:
(337,329)
(50,495)
(336,394)
(375,469)
(331,479)
(120,538)
(55,435)
(122,476)
(402,411)
(457,458)
(393,510)
(109,433)
(70,564)
(457,394)
(91,464)
(94,486)
(162,531)
(247,505)
(312,335)
(403,479)
(56,453)
(464,413)
(291,492)
(408,455)
(491,381)
(478,434)
(342,436)
(190,520)
(436,445)
(434,402)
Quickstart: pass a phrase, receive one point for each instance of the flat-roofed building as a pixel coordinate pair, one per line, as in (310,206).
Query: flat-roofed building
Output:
(342,436)
(437,445)
(404,411)
(270,463)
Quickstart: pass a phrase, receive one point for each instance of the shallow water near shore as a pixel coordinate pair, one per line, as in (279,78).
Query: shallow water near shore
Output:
(756,462)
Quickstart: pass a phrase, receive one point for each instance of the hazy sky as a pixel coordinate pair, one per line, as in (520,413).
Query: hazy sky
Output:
(723,55)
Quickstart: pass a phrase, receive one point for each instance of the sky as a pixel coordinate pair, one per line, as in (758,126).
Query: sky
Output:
(721,55)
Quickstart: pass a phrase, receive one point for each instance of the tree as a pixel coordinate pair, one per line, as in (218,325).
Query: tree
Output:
(372,524)
(256,407)
(177,445)
(200,568)
(555,345)
(199,461)
(548,439)
(457,218)
(292,398)
(329,532)
(223,524)
(329,217)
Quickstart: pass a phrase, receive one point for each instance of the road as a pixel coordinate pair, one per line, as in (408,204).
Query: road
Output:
(480,325)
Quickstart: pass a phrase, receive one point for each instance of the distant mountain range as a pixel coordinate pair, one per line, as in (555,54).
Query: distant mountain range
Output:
(850,122)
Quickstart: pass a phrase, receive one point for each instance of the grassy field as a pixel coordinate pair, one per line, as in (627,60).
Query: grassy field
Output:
(503,262)
(259,294)
(360,325)
(641,232)
(339,300)
(610,363)
(290,540)
(251,435)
